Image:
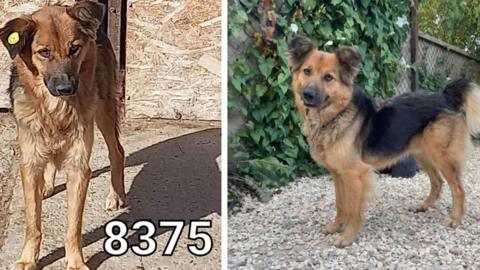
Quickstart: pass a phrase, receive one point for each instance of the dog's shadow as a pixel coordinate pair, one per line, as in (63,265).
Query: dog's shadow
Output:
(179,181)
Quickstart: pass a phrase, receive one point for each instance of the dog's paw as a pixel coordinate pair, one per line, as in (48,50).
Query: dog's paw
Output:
(23,266)
(115,202)
(452,222)
(343,242)
(331,228)
(78,266)
(48,191)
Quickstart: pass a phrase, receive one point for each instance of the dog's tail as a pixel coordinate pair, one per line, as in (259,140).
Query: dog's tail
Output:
(466,95)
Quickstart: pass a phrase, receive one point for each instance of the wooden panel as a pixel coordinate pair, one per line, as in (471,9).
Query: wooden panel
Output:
(115,25)
(173,59)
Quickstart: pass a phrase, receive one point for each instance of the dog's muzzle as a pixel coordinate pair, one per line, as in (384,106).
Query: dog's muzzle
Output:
(61,84)
(313,97)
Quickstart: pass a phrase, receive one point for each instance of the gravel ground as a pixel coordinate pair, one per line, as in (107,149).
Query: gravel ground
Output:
(285,232)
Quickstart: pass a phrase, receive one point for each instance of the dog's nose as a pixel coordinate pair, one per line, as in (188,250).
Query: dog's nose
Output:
(65,89)
(310,97)
(313,97)
(61,84)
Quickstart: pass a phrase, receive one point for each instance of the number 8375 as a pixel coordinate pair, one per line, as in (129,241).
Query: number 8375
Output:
(116,243)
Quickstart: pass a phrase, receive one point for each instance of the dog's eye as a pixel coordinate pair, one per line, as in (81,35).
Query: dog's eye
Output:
(307,72)
(45,53)
(73,50)
(328,78)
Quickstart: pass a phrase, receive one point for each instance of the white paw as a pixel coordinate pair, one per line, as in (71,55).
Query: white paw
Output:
(23,266)
(78,266)
(48,191)
(115,202)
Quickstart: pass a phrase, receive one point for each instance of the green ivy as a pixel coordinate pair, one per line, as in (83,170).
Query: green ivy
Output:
(271,150)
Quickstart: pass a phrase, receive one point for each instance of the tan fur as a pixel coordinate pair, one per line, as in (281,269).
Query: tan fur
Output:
(471,107)
(332,130)
(58,132)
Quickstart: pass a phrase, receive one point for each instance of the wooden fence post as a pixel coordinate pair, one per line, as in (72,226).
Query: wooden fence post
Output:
(414,45)
(115,25)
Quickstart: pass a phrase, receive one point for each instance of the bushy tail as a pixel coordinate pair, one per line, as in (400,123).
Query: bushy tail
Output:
(466,95)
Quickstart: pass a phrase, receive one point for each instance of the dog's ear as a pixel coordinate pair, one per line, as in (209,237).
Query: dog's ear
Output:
(89,14)
(350,61)
(17,36)
(298,49)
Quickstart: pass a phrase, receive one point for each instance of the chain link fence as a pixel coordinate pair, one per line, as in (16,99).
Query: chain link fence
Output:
(437,57)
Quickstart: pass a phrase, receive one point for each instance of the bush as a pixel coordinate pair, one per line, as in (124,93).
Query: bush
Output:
(271,150)
(455,22)
(433,82)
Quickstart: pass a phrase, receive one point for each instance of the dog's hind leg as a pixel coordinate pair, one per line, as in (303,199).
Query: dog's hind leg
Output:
(108,124)
(337,224)
(451,172)
(49,177)
(446,141)
(436,183)
(32,180)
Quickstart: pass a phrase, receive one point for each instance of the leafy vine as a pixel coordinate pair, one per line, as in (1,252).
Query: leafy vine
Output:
(270,150)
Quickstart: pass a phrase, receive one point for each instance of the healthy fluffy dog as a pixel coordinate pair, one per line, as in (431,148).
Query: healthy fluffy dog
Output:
(351,138)
(63,79)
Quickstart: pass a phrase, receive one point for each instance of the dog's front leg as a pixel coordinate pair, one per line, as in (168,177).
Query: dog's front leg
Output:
(49,176)
(337,224)
(77,185)
(78,173)
(356,187)
(32,181)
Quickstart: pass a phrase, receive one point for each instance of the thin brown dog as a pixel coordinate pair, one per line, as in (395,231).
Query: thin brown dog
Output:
(352,138)
(64,78)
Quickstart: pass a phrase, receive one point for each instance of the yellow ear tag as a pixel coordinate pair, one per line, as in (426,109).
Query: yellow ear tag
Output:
(13,38)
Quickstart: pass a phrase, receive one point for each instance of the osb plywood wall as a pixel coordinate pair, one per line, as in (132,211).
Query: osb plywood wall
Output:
(170,44)
(173,57)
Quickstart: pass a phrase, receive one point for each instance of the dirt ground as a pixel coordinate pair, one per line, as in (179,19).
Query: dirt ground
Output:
(171,174)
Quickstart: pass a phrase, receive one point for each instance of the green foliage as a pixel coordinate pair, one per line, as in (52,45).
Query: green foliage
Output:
(471,71)
(455,22)
(434,79)
(433,82)
(271,150)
